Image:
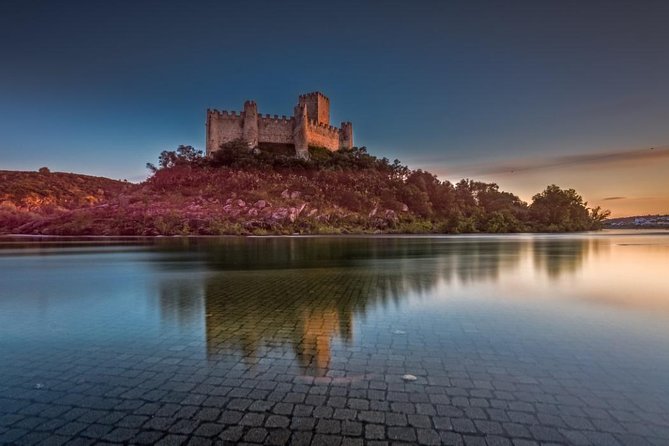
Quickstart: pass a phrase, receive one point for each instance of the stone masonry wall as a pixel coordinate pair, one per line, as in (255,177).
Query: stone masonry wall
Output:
(223,127)
(322,135)
(318,106)
(277,130)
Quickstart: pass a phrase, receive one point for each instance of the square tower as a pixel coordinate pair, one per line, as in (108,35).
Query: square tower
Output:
(318,106)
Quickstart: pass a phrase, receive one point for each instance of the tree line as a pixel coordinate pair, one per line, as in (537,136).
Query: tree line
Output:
(358,181)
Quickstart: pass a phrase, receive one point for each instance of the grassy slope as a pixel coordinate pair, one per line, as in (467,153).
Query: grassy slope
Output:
(186,200)
(196,201)
(32,196)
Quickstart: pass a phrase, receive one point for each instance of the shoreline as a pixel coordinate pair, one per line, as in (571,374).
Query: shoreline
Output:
(605,231)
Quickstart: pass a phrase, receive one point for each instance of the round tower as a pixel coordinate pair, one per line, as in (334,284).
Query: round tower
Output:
(346,136)
(300,136)
(250,128)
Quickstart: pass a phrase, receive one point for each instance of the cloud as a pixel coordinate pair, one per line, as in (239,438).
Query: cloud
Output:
(592,160)
(613,198)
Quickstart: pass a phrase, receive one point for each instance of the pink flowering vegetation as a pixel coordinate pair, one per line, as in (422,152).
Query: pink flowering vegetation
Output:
(238,191)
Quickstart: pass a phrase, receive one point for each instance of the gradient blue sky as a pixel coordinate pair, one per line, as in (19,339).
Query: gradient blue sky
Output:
(458,88)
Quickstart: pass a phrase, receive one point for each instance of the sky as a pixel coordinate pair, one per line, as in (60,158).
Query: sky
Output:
(521,93)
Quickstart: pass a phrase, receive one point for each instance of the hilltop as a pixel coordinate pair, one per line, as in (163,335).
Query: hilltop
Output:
(241,192)
(31,197)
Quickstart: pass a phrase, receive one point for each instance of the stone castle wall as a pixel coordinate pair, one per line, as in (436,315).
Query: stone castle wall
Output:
(223,127)
(322,135)
(275,130)
(309,126)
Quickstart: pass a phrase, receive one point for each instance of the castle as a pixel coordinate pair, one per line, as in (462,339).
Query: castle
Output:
(309,126)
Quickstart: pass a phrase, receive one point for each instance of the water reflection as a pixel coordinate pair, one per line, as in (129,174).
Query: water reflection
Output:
(559,257)
(252,313)
(270,296)
(576,319)
(182,301)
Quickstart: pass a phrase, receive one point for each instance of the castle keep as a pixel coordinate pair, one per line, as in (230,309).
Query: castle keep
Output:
(309,126)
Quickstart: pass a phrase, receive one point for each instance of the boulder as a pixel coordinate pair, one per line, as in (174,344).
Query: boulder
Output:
(280,214)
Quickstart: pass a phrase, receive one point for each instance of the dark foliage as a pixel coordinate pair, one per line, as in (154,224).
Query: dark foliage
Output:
(242,191)
(362,183)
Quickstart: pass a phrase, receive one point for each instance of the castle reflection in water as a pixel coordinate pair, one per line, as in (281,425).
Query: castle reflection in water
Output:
(292,299)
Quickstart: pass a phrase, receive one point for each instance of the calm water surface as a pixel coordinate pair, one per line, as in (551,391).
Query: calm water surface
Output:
(535,339)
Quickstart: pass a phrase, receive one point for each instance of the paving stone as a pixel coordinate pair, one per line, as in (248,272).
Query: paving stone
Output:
(185,427)
(495,440)
(303,423)
(172,440)
(402,434)
(351,428)
(209,429)
(278,437)
(368,416)
(300,438)
(256,435)
(231,416)
(348,441)
(277,421)
(147,437)
(428,437)
(463,425)
(326,426)
(421,421)
(120,435)
(375,432)
(326,440)
(232,434)
(252,419)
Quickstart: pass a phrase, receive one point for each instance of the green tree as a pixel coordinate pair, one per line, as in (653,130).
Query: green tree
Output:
(557,209)
(183,155)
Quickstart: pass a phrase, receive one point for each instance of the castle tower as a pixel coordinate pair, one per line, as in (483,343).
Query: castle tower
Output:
(250,128)
(346,136)
(318,106)
(300,133)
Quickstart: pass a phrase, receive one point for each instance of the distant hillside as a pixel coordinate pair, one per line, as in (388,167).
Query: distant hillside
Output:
(638,222)
(243,192)
(36,196)
(59,190)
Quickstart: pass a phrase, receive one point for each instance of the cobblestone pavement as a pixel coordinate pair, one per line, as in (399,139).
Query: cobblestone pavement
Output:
(297,356)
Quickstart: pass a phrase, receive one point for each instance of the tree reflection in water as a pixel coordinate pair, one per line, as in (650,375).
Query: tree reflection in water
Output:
(292,298)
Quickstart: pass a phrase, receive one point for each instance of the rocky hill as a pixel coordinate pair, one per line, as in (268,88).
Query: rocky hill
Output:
(241,192)
(30,197)
(58,190)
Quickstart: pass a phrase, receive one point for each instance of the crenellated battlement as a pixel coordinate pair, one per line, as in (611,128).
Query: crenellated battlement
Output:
(277,118)
(313,94)
(320,125)
(309,126)
(226,113)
